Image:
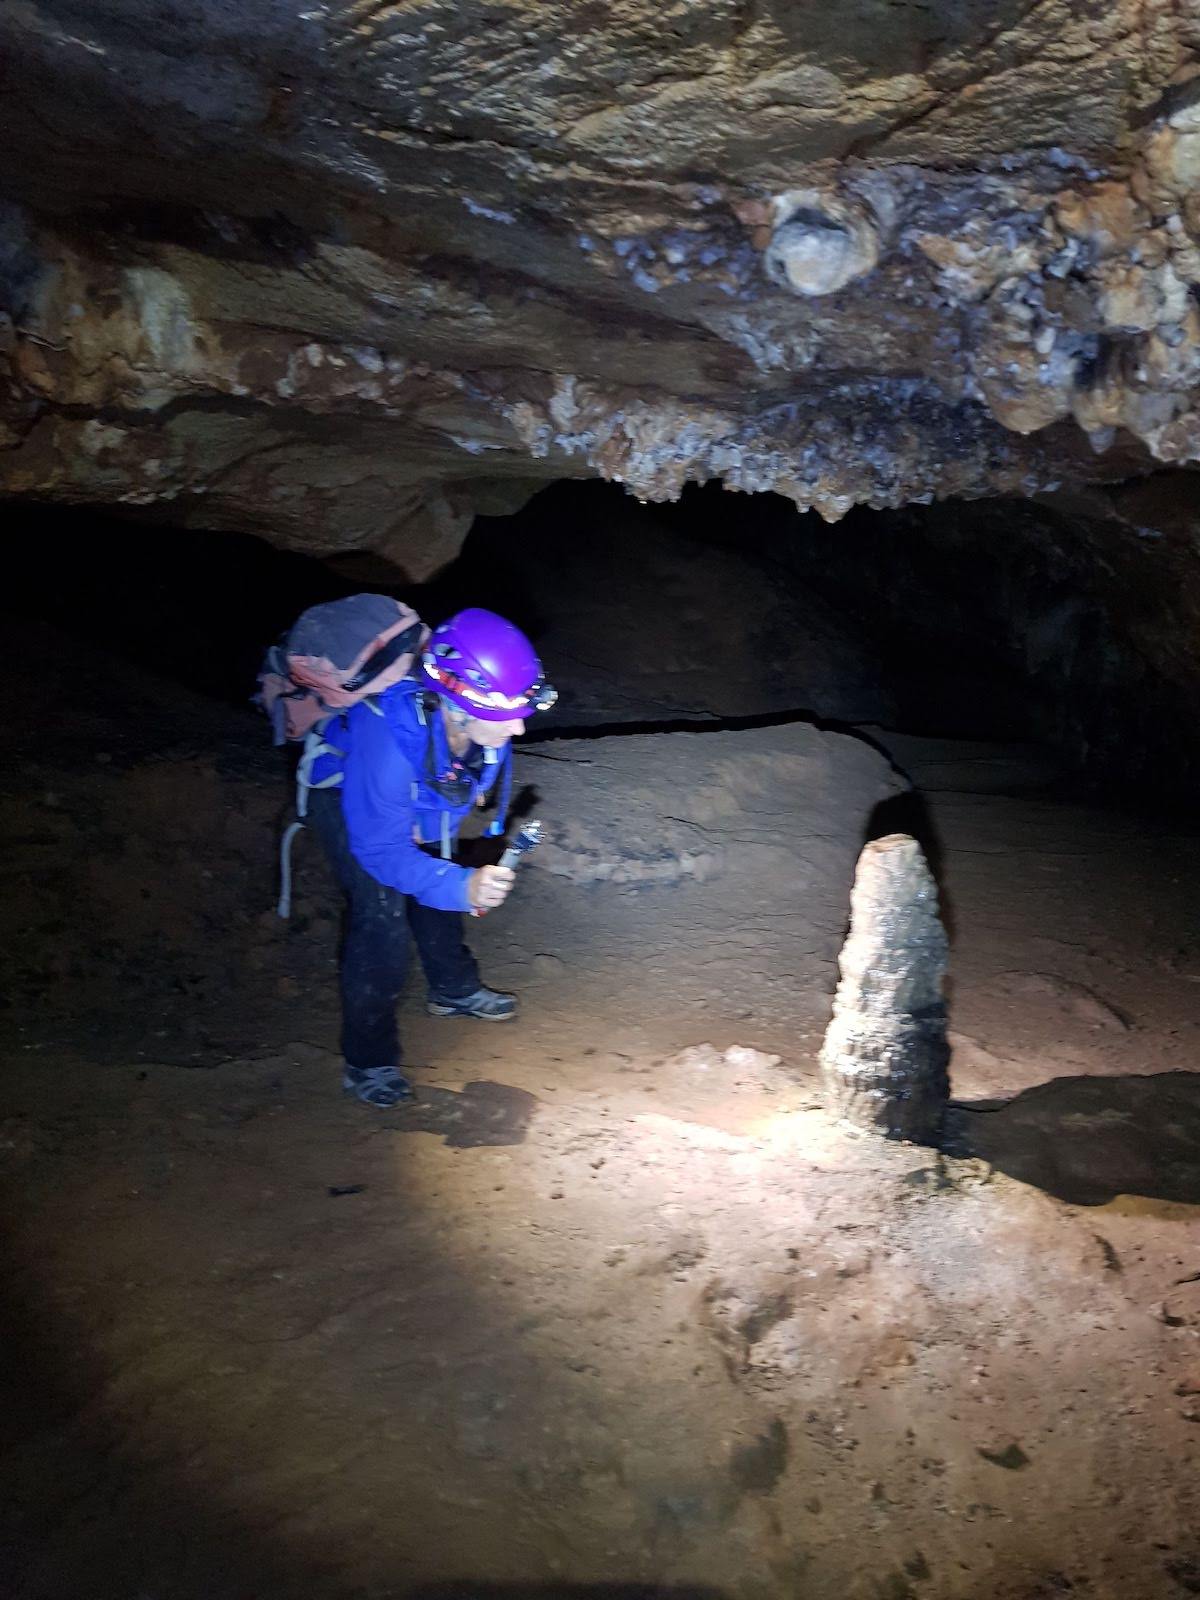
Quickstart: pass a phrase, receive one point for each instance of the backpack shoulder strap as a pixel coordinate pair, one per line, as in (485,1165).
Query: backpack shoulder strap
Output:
(317,743)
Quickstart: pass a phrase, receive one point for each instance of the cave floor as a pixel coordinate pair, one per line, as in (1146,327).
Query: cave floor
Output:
(610,1312)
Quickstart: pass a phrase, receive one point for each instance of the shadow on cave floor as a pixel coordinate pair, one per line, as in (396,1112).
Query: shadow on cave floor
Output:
(166,1528)
(1086,1140)
(61,1443)
(479,1114)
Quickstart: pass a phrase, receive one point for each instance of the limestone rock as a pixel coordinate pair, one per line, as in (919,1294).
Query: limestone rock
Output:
(885,1056)
(819,245)
(327,268)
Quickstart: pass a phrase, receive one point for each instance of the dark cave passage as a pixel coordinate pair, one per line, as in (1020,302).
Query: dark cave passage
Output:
(991,623)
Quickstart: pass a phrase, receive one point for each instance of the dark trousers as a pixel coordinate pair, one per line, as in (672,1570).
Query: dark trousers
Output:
(375,945)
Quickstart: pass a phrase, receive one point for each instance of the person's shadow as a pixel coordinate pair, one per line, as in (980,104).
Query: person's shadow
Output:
(1087,1139)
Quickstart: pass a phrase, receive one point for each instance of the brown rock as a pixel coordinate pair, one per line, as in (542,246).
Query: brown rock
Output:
(349,273)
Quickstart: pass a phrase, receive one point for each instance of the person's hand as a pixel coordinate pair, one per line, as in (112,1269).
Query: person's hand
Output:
(488,887)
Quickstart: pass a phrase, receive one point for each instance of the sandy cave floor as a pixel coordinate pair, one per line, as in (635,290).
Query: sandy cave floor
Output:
(609,1307)
(611,1312)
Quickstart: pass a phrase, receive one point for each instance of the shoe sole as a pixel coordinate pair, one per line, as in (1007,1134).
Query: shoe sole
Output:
(476,1016)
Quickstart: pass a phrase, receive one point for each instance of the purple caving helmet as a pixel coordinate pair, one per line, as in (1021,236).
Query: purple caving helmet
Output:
(486,667)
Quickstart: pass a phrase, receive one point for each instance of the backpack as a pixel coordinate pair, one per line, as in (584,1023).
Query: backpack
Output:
(335,655)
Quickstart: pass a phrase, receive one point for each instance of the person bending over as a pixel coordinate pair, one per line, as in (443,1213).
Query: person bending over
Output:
(414,761)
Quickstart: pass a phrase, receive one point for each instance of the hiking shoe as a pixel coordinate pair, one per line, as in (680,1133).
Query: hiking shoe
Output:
(489,1005)
(381,1087)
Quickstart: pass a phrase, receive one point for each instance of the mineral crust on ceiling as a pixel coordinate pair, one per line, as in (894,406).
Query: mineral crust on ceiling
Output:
(345,271)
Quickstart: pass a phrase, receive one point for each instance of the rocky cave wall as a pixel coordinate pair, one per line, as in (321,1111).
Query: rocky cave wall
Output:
(1071,620)
(345,272)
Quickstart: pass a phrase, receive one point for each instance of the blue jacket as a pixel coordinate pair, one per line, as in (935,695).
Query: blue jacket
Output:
(388,804)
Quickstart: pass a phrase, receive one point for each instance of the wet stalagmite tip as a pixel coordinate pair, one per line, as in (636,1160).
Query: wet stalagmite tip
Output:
(885,1056)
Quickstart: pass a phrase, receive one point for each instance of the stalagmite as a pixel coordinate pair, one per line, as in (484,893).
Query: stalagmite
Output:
(884,1059)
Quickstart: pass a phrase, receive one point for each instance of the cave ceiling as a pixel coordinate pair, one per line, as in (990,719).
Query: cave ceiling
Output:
(344,272)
